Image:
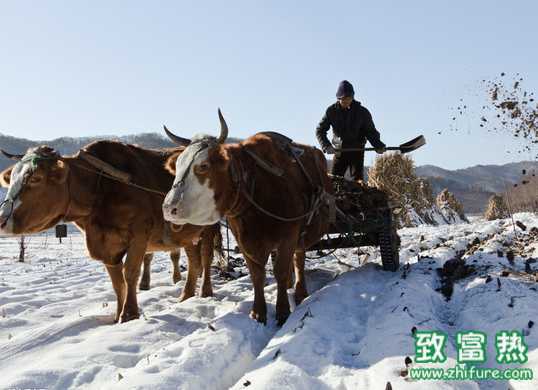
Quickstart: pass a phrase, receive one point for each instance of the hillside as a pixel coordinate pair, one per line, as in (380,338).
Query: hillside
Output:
(489,178)
(474,185)
(69,145)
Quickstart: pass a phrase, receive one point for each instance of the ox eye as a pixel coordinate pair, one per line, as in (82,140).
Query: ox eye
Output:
(202,168)
(34,179)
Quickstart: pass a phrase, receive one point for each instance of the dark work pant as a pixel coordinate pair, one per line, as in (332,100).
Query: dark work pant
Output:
(355,160)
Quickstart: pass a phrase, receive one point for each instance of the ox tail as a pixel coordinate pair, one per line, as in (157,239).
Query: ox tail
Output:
(218,249)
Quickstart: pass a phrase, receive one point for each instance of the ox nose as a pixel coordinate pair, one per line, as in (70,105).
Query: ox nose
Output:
(170,209)
(172,201)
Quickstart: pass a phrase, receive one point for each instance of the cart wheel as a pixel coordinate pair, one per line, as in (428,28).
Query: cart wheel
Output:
(389,244)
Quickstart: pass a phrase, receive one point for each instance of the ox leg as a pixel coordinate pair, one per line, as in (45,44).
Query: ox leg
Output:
(257,274)
(146,273)
(131,272)
(300,282)
(118,283)
(207,259)
(193,271)
(174,257)
(282,274)
(290,277)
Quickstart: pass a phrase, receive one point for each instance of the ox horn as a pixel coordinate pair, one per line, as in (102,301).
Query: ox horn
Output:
(11,156)
(223,129)
(176,138)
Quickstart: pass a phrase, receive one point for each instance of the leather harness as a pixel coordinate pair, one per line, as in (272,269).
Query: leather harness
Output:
(239,178)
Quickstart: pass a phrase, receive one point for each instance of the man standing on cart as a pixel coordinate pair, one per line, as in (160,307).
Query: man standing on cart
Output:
(352,125)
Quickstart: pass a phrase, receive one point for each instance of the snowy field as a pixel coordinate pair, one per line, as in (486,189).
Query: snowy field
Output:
(353,332)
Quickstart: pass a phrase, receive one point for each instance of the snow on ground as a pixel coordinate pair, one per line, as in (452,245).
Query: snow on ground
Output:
(353,332)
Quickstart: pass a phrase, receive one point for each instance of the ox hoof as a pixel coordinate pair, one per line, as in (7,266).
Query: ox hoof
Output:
(176,277)
(143,286)
(281,319)
(184,296)
(126,316)
(282,316)
(262,318)
(300,296)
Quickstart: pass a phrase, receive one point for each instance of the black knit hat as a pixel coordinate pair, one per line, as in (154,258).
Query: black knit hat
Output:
(345,89)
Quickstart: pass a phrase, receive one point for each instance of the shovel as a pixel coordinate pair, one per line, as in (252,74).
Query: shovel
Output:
(406,147)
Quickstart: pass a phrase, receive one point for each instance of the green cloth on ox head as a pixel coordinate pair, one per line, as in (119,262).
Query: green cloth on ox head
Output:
(34,158)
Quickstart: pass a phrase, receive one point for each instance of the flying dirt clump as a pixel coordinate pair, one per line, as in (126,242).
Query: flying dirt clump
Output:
(508,109)
(514,107)
(496,208)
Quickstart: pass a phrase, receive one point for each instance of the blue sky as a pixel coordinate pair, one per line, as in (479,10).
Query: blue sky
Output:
(80,68)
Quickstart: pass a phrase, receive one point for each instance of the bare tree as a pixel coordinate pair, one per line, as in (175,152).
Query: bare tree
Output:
(523,196)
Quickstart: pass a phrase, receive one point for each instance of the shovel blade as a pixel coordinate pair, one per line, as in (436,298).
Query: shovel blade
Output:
(414,144)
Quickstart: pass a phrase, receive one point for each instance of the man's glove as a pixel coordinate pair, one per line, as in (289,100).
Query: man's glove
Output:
(380,149)
(329,150)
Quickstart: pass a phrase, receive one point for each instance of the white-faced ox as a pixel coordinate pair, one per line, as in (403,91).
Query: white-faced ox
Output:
(273,193)
(118,220)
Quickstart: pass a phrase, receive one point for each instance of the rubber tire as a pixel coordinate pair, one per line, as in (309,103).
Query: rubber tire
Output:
(389,244)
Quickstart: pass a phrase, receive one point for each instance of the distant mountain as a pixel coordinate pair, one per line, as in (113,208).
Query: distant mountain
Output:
(473,186)
(69,145)
(492,178)
(473,199)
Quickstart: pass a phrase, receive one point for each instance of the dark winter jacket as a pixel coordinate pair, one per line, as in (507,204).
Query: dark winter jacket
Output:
(353,126)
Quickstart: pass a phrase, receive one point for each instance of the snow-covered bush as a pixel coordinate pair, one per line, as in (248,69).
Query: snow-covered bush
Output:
(394,173)
(450,207)
(496,208)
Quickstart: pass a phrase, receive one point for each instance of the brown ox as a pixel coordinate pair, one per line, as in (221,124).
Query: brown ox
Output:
(273,193)
(45,188)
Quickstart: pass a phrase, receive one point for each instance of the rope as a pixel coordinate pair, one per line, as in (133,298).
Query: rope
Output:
(278,217)
(321,256)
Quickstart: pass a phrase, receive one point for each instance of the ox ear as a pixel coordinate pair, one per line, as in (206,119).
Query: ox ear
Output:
(59,172)
(170,164)
(5,177)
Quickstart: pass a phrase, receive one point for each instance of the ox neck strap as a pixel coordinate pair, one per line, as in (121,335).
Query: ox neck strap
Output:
(238,178)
